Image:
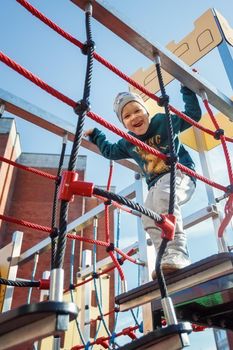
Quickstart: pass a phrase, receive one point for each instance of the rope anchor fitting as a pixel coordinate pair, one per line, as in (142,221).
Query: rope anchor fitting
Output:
(71,186)
(167,225)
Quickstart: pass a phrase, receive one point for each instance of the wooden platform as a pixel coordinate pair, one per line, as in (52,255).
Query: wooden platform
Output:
(34,322)
(209,304)
(203,271)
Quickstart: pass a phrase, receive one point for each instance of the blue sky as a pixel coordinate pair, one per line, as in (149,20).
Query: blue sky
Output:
(56,61)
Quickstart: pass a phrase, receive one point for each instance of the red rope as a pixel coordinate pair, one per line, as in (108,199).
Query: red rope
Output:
(101,121)
(107,231)
(26,223)
(65,99)
(108,65)
(107,237)
(32,170)
(222,138)
(37,81)
(124,257)
(107,314)
(100,243)
(49,23)
(229,204)
(49,230)
(228,215)
(87,240)
(103,340)
(148,149)
(118,266)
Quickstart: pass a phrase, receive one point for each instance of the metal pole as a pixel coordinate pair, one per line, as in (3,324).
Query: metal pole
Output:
(207,172)
(145,251)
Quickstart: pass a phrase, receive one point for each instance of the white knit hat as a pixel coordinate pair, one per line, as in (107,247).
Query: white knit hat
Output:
(122,99)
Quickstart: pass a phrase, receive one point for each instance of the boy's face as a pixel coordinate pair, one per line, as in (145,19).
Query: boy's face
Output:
(135,118)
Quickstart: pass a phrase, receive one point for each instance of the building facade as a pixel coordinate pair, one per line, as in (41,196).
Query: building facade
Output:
(28,196)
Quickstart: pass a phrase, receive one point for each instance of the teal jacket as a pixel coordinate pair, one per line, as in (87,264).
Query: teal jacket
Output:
(156,137)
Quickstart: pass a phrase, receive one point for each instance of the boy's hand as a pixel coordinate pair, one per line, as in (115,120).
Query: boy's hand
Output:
(88,132)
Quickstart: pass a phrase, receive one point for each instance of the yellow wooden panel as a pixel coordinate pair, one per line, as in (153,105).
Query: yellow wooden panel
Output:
(205,37)
(226,28)
(5,254)
(105,288)
(71,335)
(188,137)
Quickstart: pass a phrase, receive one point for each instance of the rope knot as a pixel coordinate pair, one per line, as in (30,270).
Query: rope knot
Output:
(120,260)
(54,233)
(171,158)
(112,339)
(163,100)
(110,248)
(87,46)
(88,344)
(72,286)
(82,107)
(229,189)
(95,275)
(58,180)
(218,133)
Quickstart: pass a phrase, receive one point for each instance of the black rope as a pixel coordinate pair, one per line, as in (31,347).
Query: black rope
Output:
(172,159)
(172,156)
(125,201)
(54,234)
(81,109)
(159,272)
(19,283)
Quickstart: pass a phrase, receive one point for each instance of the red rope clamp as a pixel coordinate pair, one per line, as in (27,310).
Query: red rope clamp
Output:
(102,341)
(44,284)
(198,328)
(130,332)
(70,186)
(168,226)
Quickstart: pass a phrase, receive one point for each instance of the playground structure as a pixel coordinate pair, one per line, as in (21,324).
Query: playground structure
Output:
(137,297)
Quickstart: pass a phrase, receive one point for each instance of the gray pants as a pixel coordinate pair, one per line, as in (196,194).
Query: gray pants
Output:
(158,200)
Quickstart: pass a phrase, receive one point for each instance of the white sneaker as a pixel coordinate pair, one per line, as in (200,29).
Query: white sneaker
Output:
(175,260)
(172,262)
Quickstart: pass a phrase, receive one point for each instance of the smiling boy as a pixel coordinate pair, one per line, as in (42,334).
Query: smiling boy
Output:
(132,113)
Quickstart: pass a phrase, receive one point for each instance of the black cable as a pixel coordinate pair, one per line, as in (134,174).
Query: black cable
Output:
(172,158)
(53,235)
(125,201)
(19,283)
(81,109)
(159,272)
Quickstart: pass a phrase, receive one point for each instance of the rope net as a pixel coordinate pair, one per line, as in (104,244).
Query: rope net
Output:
(59,234)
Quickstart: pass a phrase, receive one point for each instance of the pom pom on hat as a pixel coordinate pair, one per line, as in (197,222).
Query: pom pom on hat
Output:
(122,99)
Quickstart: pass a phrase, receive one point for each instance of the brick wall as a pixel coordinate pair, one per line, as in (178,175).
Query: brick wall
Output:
(29,197)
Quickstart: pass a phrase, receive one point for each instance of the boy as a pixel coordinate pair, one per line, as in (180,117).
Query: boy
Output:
(132,113)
